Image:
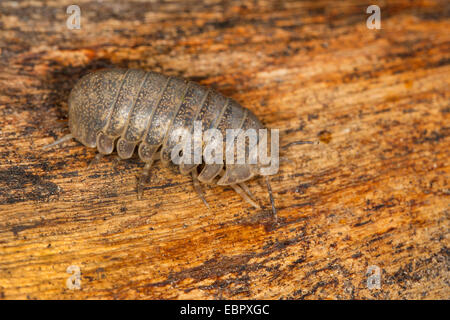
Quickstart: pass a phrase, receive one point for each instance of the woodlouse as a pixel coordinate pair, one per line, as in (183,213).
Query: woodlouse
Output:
(125,108)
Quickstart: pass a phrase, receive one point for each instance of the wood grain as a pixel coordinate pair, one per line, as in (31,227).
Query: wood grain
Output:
(375,191)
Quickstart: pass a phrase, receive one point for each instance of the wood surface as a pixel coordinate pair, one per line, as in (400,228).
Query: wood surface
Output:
(374,191)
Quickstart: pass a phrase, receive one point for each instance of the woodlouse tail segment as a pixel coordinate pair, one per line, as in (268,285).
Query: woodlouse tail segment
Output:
(105,144)
(59,141)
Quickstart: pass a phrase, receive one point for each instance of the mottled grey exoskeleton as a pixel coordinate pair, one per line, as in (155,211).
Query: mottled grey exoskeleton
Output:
(127,108)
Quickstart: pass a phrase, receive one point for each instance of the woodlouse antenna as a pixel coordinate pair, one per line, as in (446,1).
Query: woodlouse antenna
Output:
(299,142)
(59,141)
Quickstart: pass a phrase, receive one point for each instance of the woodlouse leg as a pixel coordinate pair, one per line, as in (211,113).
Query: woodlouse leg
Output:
(244,186)
(143,179)
(244,195)
(59,141)
(198,187)
(96,160)
(272,202)
(116,161)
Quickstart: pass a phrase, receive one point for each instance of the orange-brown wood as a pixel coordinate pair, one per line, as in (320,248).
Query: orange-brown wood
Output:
(374,191)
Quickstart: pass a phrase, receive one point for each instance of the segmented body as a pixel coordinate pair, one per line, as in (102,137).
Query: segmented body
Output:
(133,108)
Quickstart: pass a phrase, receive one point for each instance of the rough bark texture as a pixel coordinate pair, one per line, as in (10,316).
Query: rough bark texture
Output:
(375,191)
